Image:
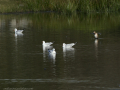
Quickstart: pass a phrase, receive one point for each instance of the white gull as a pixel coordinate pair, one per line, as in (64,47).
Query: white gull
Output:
(46,43)
(52,51)
(68,45)
(18,31)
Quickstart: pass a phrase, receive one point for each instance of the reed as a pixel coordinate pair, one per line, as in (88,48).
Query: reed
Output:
(98,5)
(66,6)
(71,6)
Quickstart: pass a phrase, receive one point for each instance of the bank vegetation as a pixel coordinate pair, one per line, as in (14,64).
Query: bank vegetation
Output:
(65,6)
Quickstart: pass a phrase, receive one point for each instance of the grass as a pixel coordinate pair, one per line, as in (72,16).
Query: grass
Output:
(71,6)
(9,6)
(65,6)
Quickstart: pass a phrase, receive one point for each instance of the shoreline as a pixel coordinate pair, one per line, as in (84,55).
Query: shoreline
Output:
(46,11)
(25,12)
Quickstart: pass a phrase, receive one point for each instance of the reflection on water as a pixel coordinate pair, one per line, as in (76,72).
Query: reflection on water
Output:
(47,80)
(68,52)
(88,66)
(96,43)
(20,34)
(45,51)
(96,48)
(22,23)
(18,37)
(52,57)
(17,45)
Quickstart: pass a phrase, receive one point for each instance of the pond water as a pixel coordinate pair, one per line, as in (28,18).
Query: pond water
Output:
(92,64)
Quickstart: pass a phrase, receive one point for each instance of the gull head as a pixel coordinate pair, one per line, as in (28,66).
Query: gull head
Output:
(63,44)
(15,29)
(43,42)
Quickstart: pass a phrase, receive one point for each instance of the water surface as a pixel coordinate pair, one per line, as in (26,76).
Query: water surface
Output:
(92,64)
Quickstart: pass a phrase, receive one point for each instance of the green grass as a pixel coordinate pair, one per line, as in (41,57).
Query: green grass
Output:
(65,6)
(71,6)
(10,6)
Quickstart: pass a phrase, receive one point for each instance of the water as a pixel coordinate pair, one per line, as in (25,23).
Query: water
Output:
(90,65)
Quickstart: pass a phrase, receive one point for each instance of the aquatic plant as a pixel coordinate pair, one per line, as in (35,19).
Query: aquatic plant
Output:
(98,5)
(71,6)
(66,6)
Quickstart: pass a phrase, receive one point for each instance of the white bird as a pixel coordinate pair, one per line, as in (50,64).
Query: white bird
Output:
(45,48)
(18,31)
(68,45)
(52,51)
(46,43)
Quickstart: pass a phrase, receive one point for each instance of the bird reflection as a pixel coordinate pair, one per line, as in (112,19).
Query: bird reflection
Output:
(96,42)
(52,57)
(20,34)
(45,50)
(96,47)
(16,37)
(68,52)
